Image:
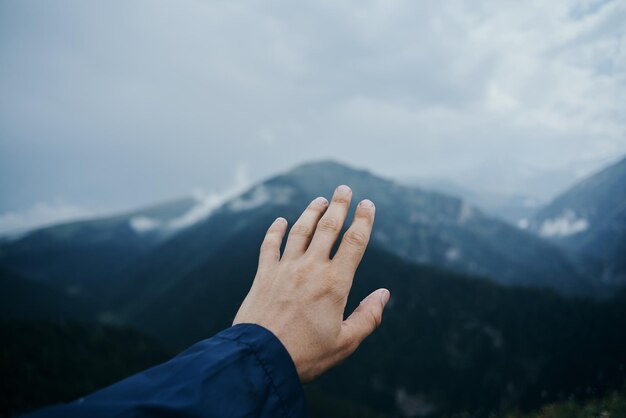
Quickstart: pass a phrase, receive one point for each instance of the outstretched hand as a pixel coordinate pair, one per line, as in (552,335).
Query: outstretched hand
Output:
(301,296)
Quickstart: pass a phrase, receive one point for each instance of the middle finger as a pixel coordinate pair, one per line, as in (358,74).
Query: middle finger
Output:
(329,226)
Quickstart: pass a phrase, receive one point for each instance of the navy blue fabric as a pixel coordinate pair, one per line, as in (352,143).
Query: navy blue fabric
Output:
(244,371)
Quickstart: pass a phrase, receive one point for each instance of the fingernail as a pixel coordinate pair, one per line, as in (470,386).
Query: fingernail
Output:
(280,220)
(367,204)
(320,201)
(384,296)
(343,189)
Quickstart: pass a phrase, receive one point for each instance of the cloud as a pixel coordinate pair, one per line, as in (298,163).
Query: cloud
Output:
(46,214)
(175,96)
(206,203)
(143,224)
(565,225)
(39,215)
(260,196)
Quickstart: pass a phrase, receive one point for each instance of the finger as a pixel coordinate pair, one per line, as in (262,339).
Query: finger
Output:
(302,231)
(356,238)
(270,248)
(364,320)
(330,224)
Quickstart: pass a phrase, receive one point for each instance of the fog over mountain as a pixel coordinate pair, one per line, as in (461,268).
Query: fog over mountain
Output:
(113,105)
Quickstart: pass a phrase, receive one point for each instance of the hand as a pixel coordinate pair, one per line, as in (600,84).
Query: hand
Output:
(301,296)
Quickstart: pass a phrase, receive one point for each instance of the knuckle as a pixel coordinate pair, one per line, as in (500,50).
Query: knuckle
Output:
(334,287)
(328,224)
(269,242)
(375,320)
(366,216)
(273,234)
(302,271)
(349,345)
(356,238)
(318,205)
(342,200)
(301,230)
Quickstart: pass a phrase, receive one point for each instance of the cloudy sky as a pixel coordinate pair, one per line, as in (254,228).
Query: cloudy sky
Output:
(110,105)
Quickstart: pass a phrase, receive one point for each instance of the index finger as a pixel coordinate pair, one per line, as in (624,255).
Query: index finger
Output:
(356,238)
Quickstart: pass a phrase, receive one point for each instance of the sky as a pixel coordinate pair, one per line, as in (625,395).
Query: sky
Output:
(106,106)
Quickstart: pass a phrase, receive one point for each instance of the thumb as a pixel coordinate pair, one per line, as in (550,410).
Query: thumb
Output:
(365,318)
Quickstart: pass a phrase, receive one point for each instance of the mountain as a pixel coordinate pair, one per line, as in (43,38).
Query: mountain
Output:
(418,225)
(449,342)
(70,255)
(590,218)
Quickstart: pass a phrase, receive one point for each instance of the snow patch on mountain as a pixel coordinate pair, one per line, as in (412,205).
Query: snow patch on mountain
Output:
(260,196)
(565,225)
(143,224)
(207,203)
(232,199)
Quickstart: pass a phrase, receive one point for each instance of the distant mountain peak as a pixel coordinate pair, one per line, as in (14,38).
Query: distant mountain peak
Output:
(327,167)
(322,164)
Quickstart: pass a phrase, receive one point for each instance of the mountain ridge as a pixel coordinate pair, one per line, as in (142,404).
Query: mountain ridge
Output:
(421,226)
(590,220)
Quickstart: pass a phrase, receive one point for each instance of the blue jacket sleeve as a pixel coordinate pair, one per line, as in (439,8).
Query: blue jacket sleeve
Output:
(243,371)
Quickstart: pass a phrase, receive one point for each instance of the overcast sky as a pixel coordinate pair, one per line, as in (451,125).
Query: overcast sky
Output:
(110,105)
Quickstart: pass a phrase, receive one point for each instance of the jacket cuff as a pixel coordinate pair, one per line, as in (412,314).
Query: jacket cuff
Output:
(275,361)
